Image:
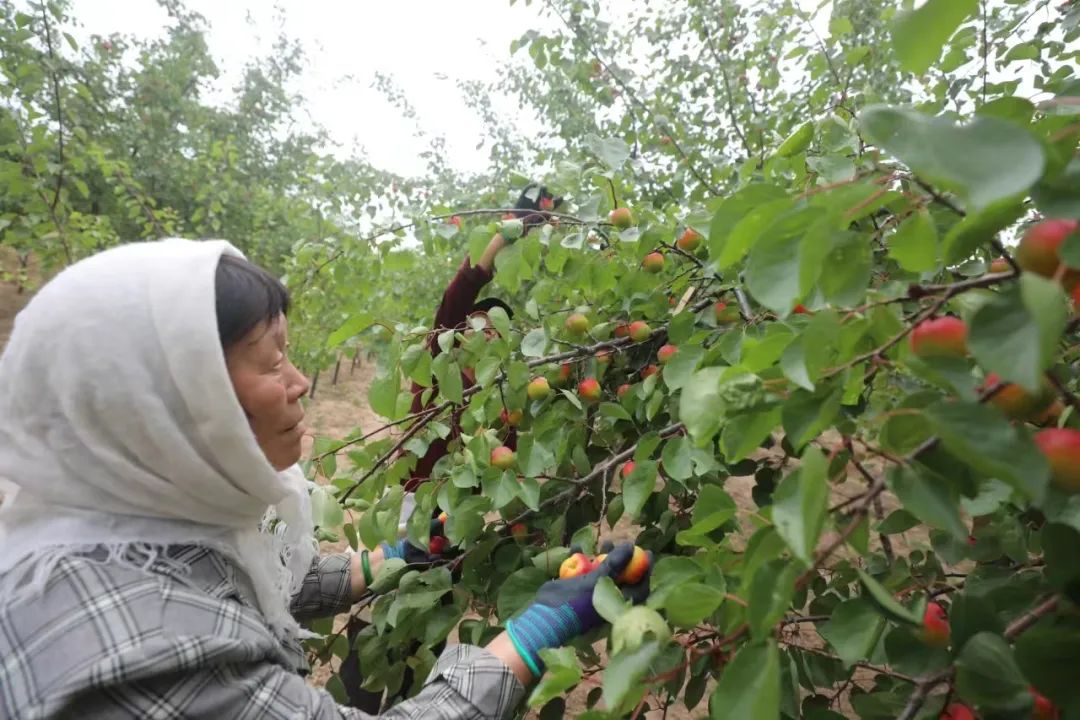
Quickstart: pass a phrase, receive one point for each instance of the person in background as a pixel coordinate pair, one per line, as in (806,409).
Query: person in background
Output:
(156,546)
(459,303)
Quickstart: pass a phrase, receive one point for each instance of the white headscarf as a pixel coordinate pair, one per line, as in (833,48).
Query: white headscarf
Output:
(119,427)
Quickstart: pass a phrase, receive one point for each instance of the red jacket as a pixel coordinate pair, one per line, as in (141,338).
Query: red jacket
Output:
(457,302)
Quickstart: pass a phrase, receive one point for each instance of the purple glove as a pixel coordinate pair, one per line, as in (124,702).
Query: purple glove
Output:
(563,609)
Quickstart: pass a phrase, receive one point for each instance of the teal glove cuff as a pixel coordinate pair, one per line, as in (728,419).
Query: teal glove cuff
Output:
(543,626)
(530,661)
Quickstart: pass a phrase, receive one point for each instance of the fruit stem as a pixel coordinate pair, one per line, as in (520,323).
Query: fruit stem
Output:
(1063,391)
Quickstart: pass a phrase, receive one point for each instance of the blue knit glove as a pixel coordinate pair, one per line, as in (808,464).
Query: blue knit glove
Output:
(563,609)
(438,548)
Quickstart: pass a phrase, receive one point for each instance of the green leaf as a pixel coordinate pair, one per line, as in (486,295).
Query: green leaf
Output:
(326,512)
(987,674)
(388,576)
(775,265)
(562,672)
(729,236)
(1015,333)
(1022,51)
(992,495)
(806,414)
(349,328)
(849,261)
(986,160)
(1069,250)
(669,574)
(500,321)
(612,410)
(741,438)
(416,361)
(1059,543)
(699,403)
(983,438)
(797,141)
(905,431)
(853,629)
(336,687)
(519,590)
(800,505)
(448,375)
(635,626)
(898,521)
(771,591)
(420,591)
(969,615)
(1047,656)
(549,560)
(382,395)
(885,601)
(977,229)
(626,670)
(682,366)
(929,499)
(534,456)
(734,244)
(638,486)
(840,25)
(535,343)
(1015,109)
(608,600)
(919,35)
(749,689)
(614,152)
(692,603)
(678,464)
(914,245)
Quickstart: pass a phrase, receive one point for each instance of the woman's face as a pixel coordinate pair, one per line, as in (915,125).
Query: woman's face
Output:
(269,389)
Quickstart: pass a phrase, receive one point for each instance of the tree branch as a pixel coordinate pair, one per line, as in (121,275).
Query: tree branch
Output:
(1014,629)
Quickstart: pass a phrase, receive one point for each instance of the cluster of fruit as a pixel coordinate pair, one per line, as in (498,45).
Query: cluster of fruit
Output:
(936,632)
(579,564)
(1038,253)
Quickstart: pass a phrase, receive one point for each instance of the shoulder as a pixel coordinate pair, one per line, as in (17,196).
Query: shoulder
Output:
(99,623)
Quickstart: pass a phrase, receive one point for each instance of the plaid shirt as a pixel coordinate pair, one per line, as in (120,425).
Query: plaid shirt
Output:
(183,640)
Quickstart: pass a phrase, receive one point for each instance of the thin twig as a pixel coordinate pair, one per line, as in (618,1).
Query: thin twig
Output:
(629,93)
(59,110)
(722,65)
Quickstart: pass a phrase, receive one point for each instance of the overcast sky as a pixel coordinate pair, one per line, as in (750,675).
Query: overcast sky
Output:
(425,44)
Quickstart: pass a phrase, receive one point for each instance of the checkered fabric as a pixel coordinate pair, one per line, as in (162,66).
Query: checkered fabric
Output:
(182,639)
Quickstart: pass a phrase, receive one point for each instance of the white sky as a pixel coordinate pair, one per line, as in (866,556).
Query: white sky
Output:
(426,45)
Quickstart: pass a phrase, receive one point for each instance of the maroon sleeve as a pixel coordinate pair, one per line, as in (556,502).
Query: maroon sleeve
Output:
(458,299)
(457,302)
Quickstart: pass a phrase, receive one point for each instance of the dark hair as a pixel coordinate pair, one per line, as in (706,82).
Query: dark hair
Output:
(245,295)
(491,302)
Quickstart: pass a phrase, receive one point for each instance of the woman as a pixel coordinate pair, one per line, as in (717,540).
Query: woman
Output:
(150,423)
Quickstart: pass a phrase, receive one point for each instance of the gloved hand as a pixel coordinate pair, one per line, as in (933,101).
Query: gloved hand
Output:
(533,205)
(438,548)
(563,609)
